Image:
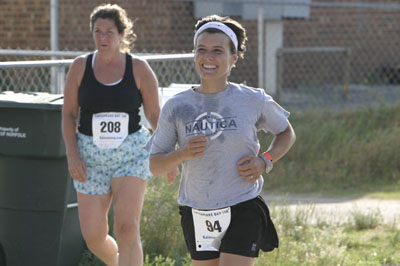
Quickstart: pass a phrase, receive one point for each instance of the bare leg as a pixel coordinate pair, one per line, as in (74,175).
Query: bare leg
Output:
(93,210)
(227,259)
(214,262)
(128,194)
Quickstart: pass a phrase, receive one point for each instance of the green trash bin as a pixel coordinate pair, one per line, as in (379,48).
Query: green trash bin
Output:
(38,211)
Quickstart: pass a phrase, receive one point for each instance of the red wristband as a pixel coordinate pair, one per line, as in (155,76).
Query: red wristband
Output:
(268,156)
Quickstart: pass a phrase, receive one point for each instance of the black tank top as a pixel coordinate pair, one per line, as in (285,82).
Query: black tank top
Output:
(95,97)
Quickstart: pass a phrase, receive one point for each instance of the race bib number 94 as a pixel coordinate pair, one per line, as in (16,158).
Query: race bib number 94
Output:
(210,228)
(109,129)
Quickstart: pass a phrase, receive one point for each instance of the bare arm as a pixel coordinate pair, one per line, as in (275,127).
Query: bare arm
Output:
(147,83)
(162,163)
(70,110)
(251,167)
(281,144)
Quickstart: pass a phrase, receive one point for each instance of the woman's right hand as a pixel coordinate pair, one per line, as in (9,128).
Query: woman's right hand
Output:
(70,113)
(77,168)
(194,147)
(164,164)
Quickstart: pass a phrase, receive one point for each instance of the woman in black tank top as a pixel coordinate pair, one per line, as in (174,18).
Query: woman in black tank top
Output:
(100,120)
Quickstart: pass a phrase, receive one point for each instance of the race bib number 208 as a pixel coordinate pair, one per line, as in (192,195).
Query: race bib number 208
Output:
(110,129)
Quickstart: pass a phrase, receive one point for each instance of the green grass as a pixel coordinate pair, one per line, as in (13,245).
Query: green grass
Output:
(362,240)
(336,154)
(334,245)
(348,153)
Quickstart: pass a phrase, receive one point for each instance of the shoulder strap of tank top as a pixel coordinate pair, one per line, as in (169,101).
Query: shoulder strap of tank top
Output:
(128,64)
(128,68)
(88,68)
(88,74)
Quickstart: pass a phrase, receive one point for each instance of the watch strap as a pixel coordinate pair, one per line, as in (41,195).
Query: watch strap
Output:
(267,158)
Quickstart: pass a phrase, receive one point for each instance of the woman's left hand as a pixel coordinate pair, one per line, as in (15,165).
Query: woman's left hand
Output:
(250,168)
(171,175)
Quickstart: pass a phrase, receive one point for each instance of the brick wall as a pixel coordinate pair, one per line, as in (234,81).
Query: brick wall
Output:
(24,23)
(167,26)
(373,35)
(154,24)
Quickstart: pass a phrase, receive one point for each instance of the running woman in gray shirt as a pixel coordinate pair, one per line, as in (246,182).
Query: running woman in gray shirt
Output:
(212,131)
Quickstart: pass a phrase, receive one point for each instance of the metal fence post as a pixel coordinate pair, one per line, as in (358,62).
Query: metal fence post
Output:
(279,70)
(55,81)
(260,34)
(346,74)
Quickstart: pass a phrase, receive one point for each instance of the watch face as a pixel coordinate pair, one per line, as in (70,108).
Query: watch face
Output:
(269,167)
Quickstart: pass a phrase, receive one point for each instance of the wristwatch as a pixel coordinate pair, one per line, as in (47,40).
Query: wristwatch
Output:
(267,158)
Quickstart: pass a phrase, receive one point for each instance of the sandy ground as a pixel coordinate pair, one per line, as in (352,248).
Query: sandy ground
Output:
(338,210)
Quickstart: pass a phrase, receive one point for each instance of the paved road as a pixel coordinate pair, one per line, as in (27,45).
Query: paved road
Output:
(338,210)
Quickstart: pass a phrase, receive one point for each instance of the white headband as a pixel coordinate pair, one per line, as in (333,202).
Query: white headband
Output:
(219,26)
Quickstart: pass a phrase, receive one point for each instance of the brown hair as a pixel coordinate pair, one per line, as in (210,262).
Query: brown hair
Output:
(121,20)
(235,26)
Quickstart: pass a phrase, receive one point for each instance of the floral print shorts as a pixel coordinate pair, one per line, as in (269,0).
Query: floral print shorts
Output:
(129,159)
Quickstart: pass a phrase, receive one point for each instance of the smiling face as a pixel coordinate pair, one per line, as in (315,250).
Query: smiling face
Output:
(213,57)
(106,35)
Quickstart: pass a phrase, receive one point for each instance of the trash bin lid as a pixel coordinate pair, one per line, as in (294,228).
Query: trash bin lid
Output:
(36,100)
(30,124)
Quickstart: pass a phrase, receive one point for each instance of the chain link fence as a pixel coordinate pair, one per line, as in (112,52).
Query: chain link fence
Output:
(38,75)
(315,54)
(345,55)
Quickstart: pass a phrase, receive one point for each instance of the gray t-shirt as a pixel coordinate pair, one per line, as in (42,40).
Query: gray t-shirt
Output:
(230,119)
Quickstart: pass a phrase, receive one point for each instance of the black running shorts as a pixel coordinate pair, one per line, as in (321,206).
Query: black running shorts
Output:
(250,230)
